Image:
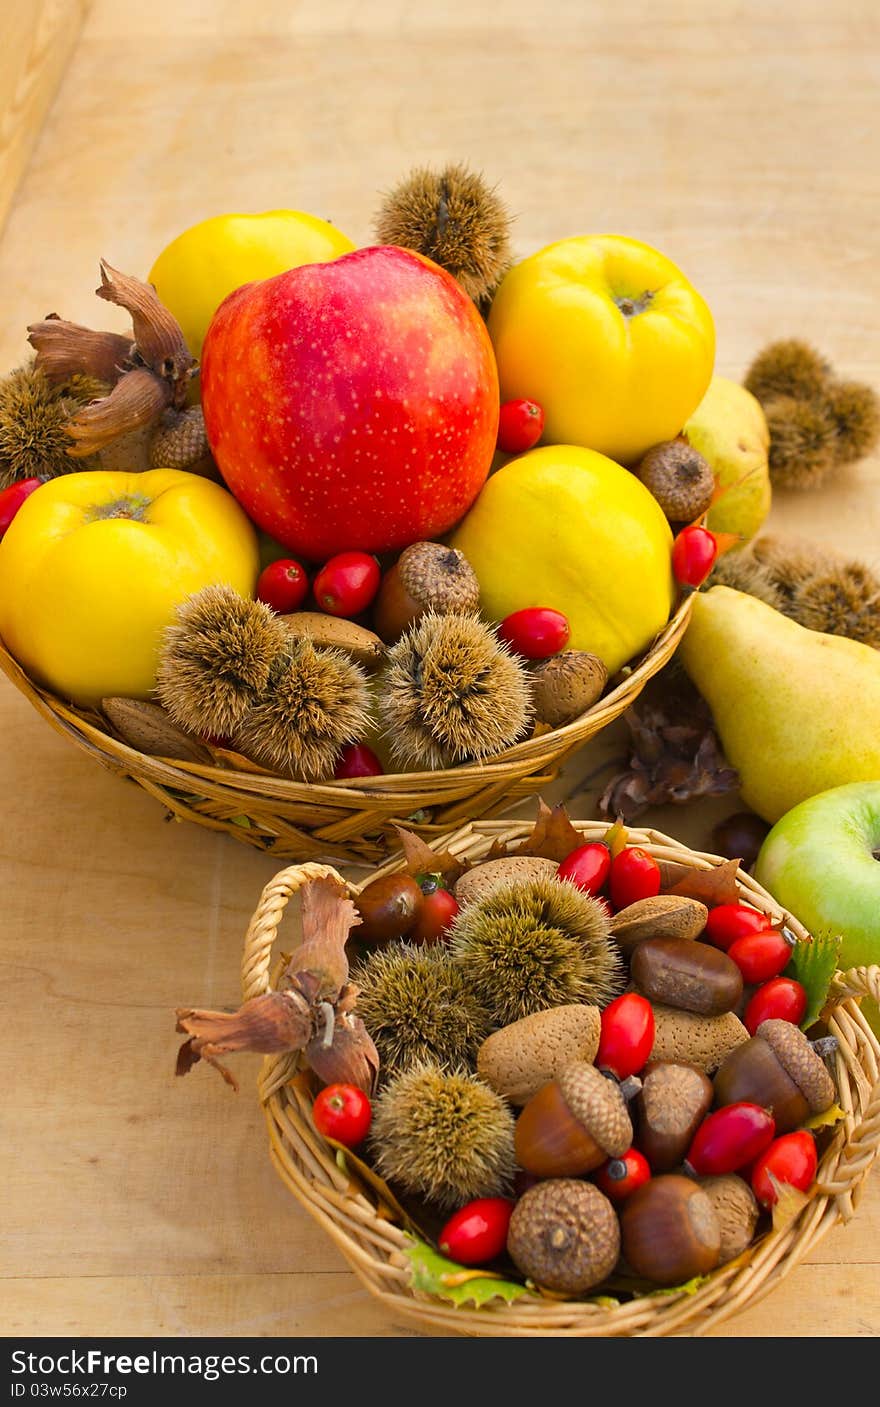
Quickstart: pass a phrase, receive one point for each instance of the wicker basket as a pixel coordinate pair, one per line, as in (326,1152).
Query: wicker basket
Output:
(346,821)
(373,1245)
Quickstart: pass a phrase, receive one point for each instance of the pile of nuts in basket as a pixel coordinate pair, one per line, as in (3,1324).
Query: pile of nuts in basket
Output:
(571,1063)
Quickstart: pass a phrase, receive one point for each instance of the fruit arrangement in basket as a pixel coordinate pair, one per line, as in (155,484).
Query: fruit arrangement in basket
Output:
(569,1070)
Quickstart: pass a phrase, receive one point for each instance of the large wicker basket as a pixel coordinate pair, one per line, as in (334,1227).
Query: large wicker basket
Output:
(345,821)
(374,1245)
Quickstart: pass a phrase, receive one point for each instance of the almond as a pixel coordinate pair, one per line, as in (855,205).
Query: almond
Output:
(494,874)
(663,916)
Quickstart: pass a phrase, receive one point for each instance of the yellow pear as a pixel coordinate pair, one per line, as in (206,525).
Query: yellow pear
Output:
(797,712)
(729,429)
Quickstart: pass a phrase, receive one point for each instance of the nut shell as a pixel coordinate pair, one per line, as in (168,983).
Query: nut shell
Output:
(564,1235)
(566,685)
(517,1060)
(800,1062)
(663,916)
(690,1039)
(737,1211)
(484,879)
(336,633)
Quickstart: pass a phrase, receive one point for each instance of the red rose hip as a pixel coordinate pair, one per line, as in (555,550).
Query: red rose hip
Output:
(344,1113)
(587,867)
(619,1178)
(477,1232)
(760,956)
(693,556)
(358,760)
(730,1138)
(13,497)
(346,584)
(634,875)
(626,1035)
(520,426)
(537,632)
(782,998)
(283,585)
(727,922)
(789,1161)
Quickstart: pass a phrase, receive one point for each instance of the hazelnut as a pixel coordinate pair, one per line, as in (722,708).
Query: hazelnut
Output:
(662,916)
(670,1106)
(426,577)
(484,879)
(691,1039)
(566,685)
(669,1230)
(778,1069)
(564,1235)
(573,1123)
(517,1060)
(737,1211)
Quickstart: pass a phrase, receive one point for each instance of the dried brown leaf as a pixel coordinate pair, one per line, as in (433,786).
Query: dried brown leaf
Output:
(714,886)
(421,859)
(553,836)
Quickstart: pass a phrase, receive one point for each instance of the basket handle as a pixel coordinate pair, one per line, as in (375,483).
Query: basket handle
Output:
(256,960)
(856,982)
(862,1145)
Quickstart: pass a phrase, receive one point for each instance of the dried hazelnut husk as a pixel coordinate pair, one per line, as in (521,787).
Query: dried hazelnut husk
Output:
(778,1069)
(669,1230)
(566,685)
(679,478)
(670,1106)
(519,1059)
(564,1235)
(426,577)
(573,1124)
(662,916)
(737,1211)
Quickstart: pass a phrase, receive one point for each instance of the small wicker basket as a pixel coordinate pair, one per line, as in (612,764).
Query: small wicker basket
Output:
(349,822)
(374,1246)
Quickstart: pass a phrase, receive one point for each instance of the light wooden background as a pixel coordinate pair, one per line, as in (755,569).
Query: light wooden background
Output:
(741,139)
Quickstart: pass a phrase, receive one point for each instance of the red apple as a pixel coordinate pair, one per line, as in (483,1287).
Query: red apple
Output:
(352,404)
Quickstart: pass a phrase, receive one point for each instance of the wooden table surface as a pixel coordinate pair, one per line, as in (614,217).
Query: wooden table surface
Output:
(738,137)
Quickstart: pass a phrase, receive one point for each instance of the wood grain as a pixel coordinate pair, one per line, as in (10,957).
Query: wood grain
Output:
(741,140)
(38,39)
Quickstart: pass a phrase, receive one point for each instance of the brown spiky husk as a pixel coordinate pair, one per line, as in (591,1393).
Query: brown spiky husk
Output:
(217,659)
(455,218)
(803,442)
(34,415)
(529,946)
(318,702)
(855,410)
(419,1007)
(788,367)
(843,600)
(742,572)
(790,562)
(444,1136)
(452,692)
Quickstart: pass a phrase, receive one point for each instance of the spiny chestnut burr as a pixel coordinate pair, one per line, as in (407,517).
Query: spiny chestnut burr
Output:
(573,1124)
(669,1108)
(778,1069)
(564,1235)
(669,1230)
(426,577)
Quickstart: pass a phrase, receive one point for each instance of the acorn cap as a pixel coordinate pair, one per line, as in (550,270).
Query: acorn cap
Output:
(737,1211)
(518,1059)
(564,1234)
(566,685)
(597,1104)
(669,1092)
(679,478)
(663,916)
(439,577)
(482,880)
(691,1039)
(800,1062)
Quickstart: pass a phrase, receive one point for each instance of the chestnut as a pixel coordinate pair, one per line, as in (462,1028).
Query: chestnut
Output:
(669,1230)
(389,907)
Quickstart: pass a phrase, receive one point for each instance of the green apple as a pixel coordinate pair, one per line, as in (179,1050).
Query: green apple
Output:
(821,862)
(729,429)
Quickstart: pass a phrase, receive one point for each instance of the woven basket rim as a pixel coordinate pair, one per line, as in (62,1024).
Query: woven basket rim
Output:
(374,1245)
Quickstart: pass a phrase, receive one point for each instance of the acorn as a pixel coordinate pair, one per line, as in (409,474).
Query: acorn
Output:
(737,1211)
(427,576)
(679,478)
(566,685)
(564,1235)
(690,1039)
(662,916)
(178,441)
(778,1069)
(518,1059)
(389,907)
(480,881)
(669,1231)
(689,976)
(572,1124)
(444,1135)
(669,1107)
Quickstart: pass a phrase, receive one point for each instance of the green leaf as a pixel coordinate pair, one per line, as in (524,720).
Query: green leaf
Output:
(436,1275)
(813,964)
(689,1287)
